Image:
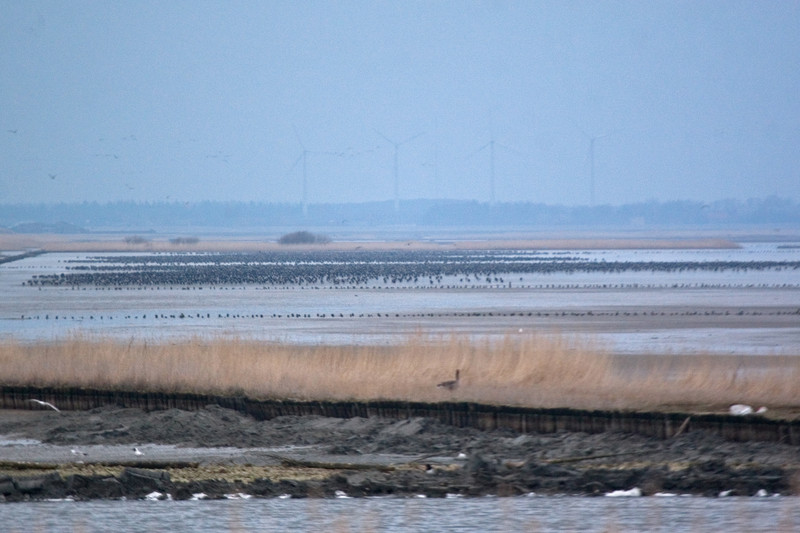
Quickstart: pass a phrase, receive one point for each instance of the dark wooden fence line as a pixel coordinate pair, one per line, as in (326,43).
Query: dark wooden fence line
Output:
(463,414)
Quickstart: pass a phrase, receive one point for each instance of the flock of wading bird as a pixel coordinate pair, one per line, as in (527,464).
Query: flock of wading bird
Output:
(357,269)
(366,269)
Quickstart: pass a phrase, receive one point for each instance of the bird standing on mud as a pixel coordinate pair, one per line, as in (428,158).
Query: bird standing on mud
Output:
(451,384)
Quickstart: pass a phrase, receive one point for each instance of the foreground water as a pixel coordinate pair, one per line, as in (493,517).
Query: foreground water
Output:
(405,515)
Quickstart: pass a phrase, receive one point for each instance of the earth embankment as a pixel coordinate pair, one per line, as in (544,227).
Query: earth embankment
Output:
(310,449)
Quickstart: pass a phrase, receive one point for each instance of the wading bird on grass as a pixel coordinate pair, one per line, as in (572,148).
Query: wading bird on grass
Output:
(451,384)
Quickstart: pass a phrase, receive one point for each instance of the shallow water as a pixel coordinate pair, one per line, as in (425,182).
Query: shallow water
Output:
(406,515)
(378,313)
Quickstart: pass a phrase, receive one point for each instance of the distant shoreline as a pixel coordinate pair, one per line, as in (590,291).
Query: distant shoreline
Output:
(117,243)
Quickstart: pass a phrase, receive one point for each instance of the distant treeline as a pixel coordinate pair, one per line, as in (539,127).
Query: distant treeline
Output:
(141,216)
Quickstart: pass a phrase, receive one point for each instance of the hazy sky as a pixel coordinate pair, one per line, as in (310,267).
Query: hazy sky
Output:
(199,100)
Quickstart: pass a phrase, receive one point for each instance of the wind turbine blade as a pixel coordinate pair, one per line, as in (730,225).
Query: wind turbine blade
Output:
(420,134)
(577,126)
(296,162)
(588,135)
(296,134)
(509,148)
(387,138)
(478,150)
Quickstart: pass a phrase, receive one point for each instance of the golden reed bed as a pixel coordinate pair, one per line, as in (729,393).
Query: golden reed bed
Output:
(537,370)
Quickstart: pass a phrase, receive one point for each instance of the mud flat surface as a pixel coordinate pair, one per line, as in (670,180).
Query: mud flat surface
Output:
(215,452)
(743,300)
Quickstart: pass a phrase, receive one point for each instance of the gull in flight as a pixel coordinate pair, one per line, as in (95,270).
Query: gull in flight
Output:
(46,404)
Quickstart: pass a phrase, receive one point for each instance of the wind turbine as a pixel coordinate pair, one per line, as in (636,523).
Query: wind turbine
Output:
(397,146)
(304,158)
(491,144)
(433,163)
(592,140)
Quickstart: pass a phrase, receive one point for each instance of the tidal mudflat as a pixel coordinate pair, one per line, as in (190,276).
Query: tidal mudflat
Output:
(741,301)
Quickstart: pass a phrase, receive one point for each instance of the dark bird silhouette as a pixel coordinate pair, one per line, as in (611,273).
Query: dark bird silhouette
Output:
(52,176)
(451,384)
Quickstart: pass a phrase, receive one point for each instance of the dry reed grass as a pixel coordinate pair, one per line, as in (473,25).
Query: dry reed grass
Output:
(534,370)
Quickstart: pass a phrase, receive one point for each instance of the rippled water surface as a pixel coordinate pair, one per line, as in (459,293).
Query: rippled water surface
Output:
(666,514)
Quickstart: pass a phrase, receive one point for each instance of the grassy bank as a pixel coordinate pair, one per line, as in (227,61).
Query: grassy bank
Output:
(534,370)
